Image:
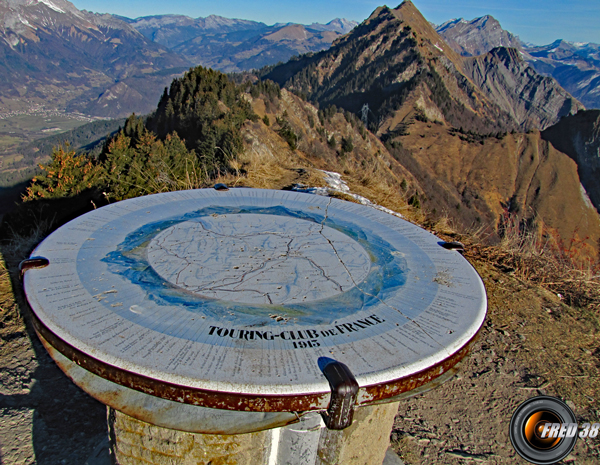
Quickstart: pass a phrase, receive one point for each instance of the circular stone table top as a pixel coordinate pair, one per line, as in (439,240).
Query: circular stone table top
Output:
(235,299)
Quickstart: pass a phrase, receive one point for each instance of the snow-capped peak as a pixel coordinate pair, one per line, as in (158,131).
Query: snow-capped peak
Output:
(51,5)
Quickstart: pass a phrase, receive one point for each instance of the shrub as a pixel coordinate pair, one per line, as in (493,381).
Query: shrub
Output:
(287,133)
(347,145)
(66,175)
(332,142)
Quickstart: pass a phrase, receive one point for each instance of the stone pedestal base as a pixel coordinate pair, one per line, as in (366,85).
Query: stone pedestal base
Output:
(308,442)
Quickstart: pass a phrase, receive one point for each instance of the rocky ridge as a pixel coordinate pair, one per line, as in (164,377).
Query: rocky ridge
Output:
(531,99)
(476,37)
(575,66)
(396,64)
(451,134)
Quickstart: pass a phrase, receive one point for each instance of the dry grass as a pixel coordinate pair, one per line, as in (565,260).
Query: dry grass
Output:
(6,300)
(374,180)
(14,250)
(577,287)
(537,259)
(11,322)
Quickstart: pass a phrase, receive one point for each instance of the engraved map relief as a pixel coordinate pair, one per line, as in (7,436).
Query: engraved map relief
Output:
(258,259)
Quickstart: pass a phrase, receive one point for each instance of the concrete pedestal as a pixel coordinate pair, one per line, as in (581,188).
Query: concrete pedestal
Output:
(308,442)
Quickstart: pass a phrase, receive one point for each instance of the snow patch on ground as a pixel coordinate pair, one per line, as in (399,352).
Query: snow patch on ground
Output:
(335,184)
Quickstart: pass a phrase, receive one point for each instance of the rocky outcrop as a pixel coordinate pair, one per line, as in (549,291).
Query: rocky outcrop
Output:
(579,137)
(533,101)
(476,37)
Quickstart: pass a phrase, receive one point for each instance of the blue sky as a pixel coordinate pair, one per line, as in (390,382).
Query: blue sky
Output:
(536,21)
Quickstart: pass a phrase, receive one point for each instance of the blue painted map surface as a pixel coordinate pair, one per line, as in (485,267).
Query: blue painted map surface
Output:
(260,265)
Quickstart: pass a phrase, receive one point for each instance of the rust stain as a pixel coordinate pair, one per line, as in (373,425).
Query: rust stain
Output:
(381,392)
(185,394)
(236,401)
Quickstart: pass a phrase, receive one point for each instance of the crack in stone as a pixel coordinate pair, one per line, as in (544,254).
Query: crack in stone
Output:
(233,284)
(358,287)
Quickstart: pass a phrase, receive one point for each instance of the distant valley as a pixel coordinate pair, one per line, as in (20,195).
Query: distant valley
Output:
(80,66)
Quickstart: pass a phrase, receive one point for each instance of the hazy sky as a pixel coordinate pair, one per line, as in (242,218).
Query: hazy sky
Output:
(536,21)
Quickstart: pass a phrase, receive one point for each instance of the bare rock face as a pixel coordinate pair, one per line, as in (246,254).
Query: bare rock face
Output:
(579,137)
(532,100)
(476,37)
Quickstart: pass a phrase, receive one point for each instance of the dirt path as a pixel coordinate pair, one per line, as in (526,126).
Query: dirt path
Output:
(45,418)
(531,344)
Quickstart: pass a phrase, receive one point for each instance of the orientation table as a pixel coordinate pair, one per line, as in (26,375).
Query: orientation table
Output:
(208,320)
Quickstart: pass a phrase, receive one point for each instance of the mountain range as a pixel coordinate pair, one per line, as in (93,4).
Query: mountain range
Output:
(465,130)
(400,68)
(476,37)
(576,66)
(119,65)
(234,45)
(55,56)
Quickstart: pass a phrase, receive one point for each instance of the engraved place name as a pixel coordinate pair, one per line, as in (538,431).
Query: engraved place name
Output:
(299,339)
